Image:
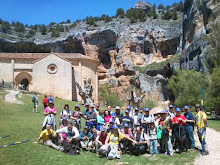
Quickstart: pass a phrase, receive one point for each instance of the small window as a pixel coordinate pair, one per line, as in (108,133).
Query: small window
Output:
(52,69)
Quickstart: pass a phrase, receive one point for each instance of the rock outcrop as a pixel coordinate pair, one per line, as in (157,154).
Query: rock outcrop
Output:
(121,47)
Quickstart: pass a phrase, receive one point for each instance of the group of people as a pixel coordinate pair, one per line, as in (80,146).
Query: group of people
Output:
(111,133)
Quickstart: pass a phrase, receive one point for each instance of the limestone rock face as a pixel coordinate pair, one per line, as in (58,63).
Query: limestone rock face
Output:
(121,47)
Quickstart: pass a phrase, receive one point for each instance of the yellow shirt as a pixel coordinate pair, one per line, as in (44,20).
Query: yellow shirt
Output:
(200,123)
(45,134)
(114,138)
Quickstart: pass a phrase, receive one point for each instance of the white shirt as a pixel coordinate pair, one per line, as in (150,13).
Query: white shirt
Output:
(65,130)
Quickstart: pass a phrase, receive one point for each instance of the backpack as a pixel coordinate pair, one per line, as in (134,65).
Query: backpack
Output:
(71,149)
(33,99)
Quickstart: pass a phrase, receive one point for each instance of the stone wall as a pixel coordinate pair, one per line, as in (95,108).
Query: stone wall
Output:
(57,84)
(5,70)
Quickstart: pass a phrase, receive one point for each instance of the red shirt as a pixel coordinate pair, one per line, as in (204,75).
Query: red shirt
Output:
(45,101)
(176,119)
(102,138)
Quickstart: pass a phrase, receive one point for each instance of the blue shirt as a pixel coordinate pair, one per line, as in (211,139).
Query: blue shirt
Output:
(82,134)
(189,116)
(87,111)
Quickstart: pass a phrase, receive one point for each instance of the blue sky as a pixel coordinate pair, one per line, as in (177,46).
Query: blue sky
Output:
(45,11)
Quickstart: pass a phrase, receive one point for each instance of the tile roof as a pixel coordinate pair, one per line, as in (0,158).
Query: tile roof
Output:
(36,56)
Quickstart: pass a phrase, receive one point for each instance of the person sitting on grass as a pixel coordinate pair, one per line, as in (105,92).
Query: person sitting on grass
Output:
(125,144)
(85,138)
(49,114)
(76,117)
(100,142)
(49,138)
(112,142)
(71,134)
(153,144)
(142,139)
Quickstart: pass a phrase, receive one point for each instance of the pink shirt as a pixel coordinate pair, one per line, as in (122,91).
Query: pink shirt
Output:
(107,118)
(47,109)
(128,134)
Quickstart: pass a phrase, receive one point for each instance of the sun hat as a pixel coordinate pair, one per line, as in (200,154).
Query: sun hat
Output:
(117,107)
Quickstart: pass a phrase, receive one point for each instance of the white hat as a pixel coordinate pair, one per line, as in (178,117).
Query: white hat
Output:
(117,107)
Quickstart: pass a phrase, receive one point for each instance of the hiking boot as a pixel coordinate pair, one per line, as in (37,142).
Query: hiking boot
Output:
(171,155)
(205,153)
(165,153)
(177,150)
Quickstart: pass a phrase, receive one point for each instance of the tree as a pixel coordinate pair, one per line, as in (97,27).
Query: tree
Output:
(120,13)
(68,21)
(55,33)
(215,88)
(174,17)
(185,86)
(66,28)
(43,29)
(133,20)
(161,6)
(6,27)
(19,27)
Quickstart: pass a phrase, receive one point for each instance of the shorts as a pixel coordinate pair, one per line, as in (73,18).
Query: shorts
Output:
(35,105)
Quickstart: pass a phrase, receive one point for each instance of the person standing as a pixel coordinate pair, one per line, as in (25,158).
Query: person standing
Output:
(45,101)
(200,121)
(50,113)
(35,102)
(189,127)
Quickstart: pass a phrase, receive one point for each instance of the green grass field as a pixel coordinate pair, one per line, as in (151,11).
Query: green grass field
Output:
(21,123)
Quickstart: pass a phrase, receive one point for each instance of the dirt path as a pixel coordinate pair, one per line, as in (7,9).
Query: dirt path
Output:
(11,97)
(213,141)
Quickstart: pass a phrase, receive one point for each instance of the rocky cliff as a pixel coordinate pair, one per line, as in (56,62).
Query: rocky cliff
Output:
(140,55)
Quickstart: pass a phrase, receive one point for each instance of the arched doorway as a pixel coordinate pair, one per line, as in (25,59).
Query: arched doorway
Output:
(25,84)
(24,79)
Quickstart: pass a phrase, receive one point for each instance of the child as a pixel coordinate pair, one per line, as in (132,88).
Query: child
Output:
(153,144)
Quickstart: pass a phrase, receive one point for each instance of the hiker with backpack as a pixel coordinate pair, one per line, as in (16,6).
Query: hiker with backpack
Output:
(112,143)
(153,143)
(35,102)
(142,139)
(76,117)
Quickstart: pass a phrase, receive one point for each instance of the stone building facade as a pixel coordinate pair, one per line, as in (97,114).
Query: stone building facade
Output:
(50,73)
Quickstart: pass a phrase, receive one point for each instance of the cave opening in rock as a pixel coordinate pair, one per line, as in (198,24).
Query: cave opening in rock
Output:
(105,58)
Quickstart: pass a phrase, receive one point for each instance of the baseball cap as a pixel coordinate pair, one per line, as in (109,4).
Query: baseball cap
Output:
(177,109)
(197,105)
(146,109)
(126,111)
(164,111)
(125,125)
(171,106)
(77,105)
(117,107)
(86,127)
(186,107)
(151,121)
(115,126)
(136,109)
(86,104)
(48,124)
(50,102)
(128,107)
(104,128)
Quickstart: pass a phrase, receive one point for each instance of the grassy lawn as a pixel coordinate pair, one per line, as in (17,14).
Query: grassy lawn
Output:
(214,123)
(21,123)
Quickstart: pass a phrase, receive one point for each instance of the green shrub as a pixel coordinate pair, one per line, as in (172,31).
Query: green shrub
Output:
(106,95)
(120,13)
